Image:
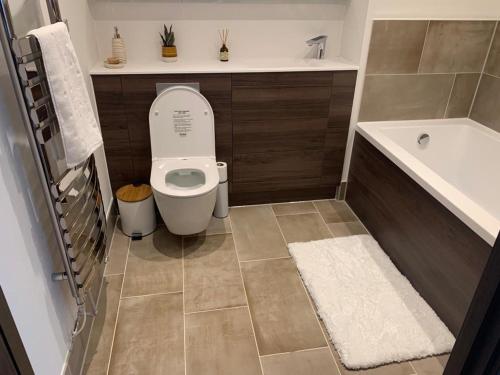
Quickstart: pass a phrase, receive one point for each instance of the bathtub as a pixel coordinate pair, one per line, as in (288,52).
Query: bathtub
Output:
(459,166)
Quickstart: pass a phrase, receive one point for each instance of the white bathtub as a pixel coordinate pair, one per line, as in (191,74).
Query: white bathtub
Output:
(460,166)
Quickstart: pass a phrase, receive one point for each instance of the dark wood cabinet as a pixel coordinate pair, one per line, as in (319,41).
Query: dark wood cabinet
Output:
(283,135)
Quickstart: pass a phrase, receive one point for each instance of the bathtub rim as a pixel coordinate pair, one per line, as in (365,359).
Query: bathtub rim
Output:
(472,214)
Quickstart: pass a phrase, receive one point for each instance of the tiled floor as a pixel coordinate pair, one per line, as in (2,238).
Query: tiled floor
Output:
(229,301)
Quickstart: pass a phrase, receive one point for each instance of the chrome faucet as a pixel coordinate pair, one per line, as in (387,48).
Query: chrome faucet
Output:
(320,41)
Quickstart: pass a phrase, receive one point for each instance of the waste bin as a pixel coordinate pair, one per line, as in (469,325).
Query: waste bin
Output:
(137,209)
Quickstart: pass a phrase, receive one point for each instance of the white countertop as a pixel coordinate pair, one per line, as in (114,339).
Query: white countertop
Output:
(214,66)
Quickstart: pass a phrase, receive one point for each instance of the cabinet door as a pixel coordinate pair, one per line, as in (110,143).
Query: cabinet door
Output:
(114,128)
(289,135)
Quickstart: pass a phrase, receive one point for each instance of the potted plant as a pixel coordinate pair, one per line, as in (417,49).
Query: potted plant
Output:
(168,50)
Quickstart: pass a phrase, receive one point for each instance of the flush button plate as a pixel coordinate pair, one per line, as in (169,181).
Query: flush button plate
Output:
(161,86)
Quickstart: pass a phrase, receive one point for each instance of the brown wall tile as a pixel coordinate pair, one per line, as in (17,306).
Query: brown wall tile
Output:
(462,95)
(493,64)
(486,109)
(456,46)
(405,97)
(396,46)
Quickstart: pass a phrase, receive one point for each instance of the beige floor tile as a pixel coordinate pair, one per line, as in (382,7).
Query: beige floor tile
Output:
(392,369)
(212,277)
(221,343)
(309,362)
(347,229)
(101,336)
(149,336)
(118,252)
(431,365)
(154,265)
(256,233)
(282,315)
(217,226)
(335,211)
(293,208)
(303,228)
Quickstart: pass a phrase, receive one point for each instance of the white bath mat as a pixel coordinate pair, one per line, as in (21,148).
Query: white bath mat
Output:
(371,311)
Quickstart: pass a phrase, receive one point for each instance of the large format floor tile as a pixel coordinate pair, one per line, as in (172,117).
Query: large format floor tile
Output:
(347,229)
(103,329)
(212,278)
(149,336)
(431,365)
(154,265)
(303,228)
(117,253)
(294,208)
(335,211)
(256,233)
(308,362)
(282,315)
(221,343)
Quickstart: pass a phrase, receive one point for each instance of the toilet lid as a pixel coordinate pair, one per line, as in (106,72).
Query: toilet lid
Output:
(181,123)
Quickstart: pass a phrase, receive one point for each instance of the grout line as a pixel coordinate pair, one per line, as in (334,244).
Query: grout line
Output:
(114,274)
(246,295)
(296,213)
(118,310)
(310,299)
(324,221)
(84,359)
(491,75)
(413,368)
(482,70)
(449,96)
(219,309)
(151,294)
(420,74)
(264,259)
(183,306)
(296,351)
(423,46)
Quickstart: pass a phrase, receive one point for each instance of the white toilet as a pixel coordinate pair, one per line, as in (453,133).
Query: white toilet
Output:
(184,174)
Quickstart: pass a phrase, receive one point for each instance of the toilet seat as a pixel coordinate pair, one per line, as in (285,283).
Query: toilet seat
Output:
(169,176)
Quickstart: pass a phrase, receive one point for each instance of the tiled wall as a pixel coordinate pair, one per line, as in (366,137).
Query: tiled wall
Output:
(486,108)
(427,69)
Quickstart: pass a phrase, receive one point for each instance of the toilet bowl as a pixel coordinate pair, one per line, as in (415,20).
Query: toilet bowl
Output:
(184,175)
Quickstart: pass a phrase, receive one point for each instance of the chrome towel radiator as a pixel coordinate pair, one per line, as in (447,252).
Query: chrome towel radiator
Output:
(73,195)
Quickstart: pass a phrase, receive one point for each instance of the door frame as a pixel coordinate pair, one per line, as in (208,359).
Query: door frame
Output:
(12,352)
(477,348)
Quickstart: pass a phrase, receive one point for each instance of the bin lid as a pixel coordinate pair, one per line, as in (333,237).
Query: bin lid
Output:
(134,193)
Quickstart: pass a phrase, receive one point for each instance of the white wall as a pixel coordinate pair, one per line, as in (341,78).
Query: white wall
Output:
(410,9)
(257,30)
(43,310)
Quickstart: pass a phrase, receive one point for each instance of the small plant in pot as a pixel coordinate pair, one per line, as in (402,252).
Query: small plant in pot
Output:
(168,50)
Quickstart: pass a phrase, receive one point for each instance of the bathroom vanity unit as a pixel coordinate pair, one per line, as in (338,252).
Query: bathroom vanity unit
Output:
(281,128)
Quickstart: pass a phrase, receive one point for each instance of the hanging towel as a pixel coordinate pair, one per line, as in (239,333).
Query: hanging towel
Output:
(81,135)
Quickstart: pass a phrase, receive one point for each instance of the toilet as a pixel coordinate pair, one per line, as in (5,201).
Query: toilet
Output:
(184,175)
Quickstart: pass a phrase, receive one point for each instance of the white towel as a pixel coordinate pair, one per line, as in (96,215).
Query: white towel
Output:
(81,135)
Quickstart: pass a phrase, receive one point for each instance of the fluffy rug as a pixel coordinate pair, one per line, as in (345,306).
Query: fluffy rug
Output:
(371,311)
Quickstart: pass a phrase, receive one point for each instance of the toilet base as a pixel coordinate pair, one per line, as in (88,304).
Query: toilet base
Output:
(185,216)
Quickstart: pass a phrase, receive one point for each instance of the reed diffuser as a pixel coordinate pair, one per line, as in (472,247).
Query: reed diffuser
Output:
(224,51)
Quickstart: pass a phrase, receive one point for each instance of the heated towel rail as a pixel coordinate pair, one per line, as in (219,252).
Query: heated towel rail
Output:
(73,194)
